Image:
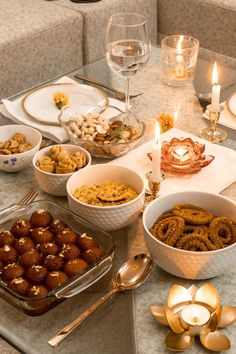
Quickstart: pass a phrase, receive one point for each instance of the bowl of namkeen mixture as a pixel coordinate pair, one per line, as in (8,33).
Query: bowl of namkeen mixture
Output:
(191,234)
(108,195)
(18,145)
(54,165)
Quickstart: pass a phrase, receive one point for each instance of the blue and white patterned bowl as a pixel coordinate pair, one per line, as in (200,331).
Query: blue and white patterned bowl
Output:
(17,162)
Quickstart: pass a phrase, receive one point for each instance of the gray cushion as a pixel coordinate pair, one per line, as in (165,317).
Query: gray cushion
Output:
(38,41)
(96,16)
(212,22)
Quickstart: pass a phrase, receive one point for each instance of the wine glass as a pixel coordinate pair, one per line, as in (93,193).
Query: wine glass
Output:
(127,49)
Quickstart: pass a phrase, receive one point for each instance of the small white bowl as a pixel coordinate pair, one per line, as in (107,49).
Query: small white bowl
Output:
(53,183)
(107,217)
(190,264)
(17,162)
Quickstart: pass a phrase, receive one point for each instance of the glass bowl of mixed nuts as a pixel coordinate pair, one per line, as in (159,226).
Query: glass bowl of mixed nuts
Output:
(102,137)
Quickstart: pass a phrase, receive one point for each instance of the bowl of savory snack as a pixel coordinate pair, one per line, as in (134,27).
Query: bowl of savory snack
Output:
(191,234)
(108,195)
(18,144)
(102,137)
(54,165)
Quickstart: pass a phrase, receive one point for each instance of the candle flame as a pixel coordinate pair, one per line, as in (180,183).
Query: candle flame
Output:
(181,152)
(179,44)
(157,133)
(215,75)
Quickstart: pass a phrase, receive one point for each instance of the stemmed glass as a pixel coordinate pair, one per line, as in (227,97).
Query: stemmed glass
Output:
(127,49)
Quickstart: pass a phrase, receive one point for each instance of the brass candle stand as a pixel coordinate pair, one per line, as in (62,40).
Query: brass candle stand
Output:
(154,187)
(195,312)
(214,134)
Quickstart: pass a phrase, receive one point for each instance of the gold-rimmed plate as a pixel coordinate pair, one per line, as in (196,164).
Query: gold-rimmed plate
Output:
(231,104)
(39,105)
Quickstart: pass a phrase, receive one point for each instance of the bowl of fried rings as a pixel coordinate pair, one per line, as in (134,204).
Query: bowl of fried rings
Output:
(191,234)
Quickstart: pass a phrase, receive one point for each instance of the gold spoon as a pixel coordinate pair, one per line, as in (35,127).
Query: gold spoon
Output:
(130,276)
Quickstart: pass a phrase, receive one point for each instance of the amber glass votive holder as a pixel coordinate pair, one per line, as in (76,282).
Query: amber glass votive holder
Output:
(179,57)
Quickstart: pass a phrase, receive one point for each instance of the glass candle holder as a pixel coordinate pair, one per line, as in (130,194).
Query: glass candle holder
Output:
(179,57)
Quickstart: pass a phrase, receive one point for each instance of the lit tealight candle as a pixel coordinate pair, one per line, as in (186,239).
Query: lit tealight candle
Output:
(156,156)
(215,100)
(179,66)
(195,315)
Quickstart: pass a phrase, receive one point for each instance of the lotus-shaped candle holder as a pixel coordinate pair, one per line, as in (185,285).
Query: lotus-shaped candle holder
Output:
(195,312)
(183,156)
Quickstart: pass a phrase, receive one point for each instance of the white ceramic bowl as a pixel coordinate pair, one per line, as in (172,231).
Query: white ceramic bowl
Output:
(190,264)
(17,162)
(53,183)
(107,217)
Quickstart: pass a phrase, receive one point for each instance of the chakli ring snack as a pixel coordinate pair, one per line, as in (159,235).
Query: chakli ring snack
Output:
(192,228)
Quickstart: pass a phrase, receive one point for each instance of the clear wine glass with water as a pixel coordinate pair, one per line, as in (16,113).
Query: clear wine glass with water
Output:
(127,48)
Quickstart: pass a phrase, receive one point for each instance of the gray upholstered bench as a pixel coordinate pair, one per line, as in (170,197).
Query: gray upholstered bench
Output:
(38,40)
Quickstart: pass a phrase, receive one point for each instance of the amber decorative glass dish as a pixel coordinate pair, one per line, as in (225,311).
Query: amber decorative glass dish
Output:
(183,157)
(76,284)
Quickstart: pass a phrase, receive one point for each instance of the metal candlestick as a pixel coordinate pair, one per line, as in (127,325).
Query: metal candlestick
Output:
(214,134)
(153,186)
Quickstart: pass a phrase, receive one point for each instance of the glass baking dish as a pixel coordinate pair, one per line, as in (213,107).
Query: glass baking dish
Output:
(76,284)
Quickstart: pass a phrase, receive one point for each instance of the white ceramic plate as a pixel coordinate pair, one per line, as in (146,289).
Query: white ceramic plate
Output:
(231,104)
(39,104)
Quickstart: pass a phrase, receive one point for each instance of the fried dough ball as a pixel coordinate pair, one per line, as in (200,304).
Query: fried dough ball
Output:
(12,271)
(30,258)
(75,266)
(70,251)
(85,242)
(19,286)
(48,249)
(55,279)
(54,262)
(21,228)
(37,291)
(41,218)
(41,235)
(66,236)
(57,225)
(6,238)
(8,254)
(36,274)
(92,254)
(23,244)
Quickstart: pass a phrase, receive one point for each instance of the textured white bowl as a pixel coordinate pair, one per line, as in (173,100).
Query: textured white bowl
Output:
(107,217)
(53,183)
(189,264)
(17,162)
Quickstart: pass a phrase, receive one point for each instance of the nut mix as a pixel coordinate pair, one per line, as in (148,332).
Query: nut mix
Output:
(53,253)
(15,145)
(60,161)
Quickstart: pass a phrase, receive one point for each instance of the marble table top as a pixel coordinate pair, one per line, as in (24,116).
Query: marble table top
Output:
(184,106)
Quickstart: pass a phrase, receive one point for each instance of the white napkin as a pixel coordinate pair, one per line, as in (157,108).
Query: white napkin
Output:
(213,178)
(13,111)
(226,118)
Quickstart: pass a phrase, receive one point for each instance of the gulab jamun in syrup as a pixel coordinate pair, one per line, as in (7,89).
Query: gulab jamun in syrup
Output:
(41,218)
(54,262)
(19,286)
(6,238)
(41,235)
(23,244)
(92,254)
(36,274)
(12,271)
(8,254)
(55,279)
(69,251)
(30,258)
(37,291)
(75,266)
(85,242)
(57,225)
(66,236)
(21,228)
(48,248)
